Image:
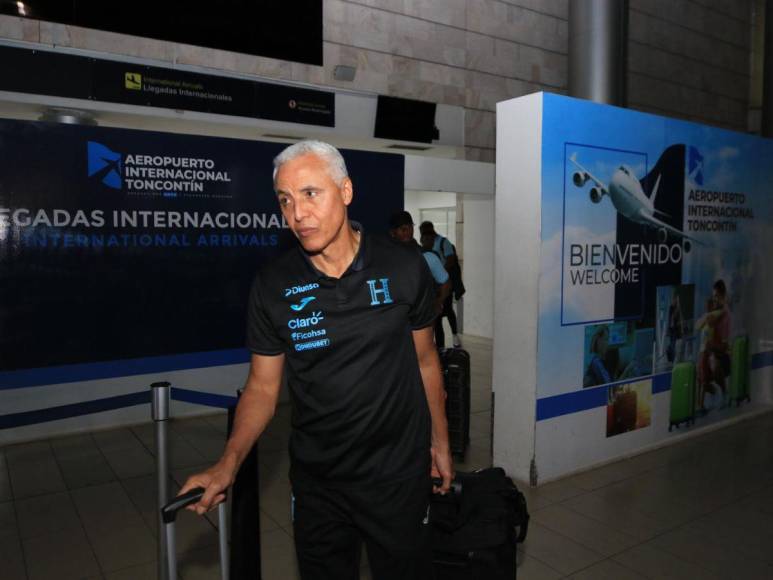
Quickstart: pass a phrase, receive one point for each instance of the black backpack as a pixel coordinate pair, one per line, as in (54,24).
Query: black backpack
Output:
(454,273)
(457,286)
(476,527)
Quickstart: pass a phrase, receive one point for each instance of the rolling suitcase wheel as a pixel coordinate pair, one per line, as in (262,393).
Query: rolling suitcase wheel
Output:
(169,515)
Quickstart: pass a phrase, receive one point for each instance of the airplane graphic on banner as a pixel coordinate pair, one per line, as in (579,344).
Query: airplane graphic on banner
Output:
(627,195)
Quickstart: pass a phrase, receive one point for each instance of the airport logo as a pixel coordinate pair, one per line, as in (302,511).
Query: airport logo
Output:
(302,304)
(133,81)
(156,175)
(695,165)
(104,165)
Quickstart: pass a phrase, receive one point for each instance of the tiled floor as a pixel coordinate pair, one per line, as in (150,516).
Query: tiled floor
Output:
(84,506)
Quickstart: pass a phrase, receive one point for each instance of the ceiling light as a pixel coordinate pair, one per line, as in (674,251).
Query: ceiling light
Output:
(68,117)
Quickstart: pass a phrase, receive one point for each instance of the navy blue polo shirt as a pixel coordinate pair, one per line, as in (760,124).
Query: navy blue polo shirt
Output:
(360,413)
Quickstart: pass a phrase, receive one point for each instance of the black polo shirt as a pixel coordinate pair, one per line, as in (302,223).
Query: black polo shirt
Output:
(360,414)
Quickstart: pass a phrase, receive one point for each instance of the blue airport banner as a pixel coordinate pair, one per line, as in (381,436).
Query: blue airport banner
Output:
(120,244)
(655,273)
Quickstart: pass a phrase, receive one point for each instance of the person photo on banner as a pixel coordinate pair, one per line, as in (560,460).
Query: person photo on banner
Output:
(675,328)
(597,373)
(714,355)
(607,363)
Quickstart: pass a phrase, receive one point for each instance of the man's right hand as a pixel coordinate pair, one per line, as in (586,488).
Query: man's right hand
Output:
(253,412)
(215,481)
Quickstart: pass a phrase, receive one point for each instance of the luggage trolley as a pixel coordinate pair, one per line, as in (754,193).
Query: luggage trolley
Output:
(169,515)
(240,557)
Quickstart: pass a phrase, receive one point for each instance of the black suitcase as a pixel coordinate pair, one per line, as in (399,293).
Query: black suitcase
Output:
(475,527)
(456,378)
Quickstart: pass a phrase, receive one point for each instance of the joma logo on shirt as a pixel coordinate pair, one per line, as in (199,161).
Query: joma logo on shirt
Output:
(302,304)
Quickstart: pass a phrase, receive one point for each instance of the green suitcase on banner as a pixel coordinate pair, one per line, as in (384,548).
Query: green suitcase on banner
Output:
(739,370)
(682,394)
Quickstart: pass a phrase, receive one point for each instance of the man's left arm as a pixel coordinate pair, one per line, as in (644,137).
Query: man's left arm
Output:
(442,294)
(432,377)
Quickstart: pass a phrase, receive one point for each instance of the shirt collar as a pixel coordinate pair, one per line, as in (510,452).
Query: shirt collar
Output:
(361,258)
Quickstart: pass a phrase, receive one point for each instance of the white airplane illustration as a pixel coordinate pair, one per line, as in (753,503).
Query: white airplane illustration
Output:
(629,199)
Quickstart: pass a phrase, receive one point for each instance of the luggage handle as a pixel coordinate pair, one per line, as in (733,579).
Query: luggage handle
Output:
(169,511)
(523,529)
(168,516)
(456,486)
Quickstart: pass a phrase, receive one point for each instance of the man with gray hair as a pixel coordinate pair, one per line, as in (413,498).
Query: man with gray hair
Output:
(349,317)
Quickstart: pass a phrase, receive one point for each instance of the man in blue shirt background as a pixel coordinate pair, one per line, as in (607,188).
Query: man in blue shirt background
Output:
(444,249)
(401,229)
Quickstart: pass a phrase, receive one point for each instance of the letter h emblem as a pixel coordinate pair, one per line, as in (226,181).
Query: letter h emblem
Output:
(383,292)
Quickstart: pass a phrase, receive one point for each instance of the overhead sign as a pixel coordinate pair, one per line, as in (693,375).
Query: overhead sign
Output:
(52,73)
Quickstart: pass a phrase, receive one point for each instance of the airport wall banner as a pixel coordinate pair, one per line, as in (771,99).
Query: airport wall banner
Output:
(655,270)
(119,244)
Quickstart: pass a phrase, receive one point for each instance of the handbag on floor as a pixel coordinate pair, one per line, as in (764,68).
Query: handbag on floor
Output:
(476,526)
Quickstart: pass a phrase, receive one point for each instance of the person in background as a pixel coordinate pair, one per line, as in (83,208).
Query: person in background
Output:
(444,249)
(401,230)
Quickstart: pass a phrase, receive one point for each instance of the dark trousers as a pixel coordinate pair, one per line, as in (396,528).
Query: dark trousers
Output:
(448,311)
(331,525)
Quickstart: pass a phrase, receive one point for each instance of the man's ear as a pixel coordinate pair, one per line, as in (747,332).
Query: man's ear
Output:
(347,191)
